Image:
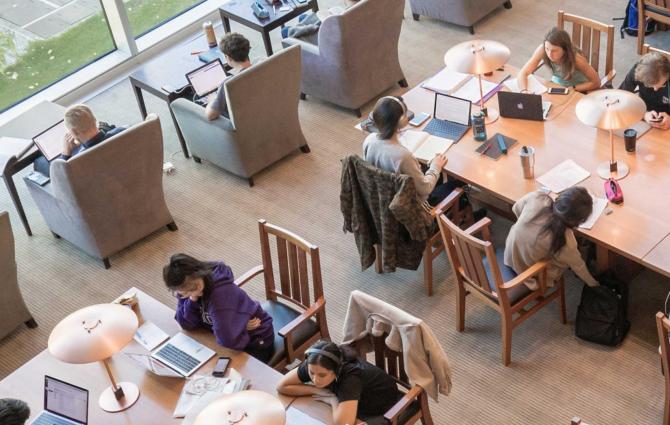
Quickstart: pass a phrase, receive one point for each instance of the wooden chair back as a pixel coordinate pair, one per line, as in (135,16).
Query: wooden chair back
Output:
(663,327)
(657,10)
(586,34)
(648,49)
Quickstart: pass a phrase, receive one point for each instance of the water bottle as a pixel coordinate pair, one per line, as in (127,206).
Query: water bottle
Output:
(479,126)
(209,33)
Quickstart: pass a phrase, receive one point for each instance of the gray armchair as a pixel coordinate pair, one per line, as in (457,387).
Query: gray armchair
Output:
(356,58)
(459,12)
(13,310)
(263,126)
(110,196)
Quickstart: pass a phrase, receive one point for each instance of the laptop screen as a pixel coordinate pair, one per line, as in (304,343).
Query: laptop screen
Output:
(207,78)
(65,400)
(50,141)
(452,109)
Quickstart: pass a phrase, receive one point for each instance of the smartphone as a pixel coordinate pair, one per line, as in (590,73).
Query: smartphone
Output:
(657,119)
(558,90)
(221,366)
(419,119)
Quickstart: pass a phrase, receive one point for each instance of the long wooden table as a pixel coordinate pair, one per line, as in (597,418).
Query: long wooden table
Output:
(633,230)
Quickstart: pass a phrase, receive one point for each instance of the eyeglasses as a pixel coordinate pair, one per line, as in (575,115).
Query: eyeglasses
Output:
(184,293)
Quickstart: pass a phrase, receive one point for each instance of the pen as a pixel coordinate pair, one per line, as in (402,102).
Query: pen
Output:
(486,149)
(197,52)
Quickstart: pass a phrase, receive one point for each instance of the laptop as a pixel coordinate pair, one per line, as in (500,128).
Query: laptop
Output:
(451,117)
(64,404)
(207,78)
(523,106)
(50,141)
(180,356)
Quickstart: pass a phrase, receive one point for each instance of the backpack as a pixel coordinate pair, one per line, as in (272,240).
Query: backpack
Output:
(602,316)
(630,20)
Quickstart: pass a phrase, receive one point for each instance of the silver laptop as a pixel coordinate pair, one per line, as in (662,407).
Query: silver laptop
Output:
(207,78)
(50,141)
(64,404)
(523,106)
(180,356)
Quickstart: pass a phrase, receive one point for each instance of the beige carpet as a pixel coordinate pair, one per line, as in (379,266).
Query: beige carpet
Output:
(553,377)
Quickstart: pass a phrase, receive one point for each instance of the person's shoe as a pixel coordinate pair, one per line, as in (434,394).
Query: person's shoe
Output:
(479,214)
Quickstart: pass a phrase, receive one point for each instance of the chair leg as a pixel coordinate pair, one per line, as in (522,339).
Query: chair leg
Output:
(561,300)
(507,4)
(172,227)
(666,410)
(506,324)
(250,180)
(56,235)
(460,307)
(106,263)
(415,16)
(378,259)
(471,28)
(32,324)
(197,159)
(303,96)
(358,112)
(305,148)
(428,269)
(403,83)
(426,419)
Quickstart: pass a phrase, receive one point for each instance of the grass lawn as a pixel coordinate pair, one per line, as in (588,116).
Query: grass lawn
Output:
(47,61)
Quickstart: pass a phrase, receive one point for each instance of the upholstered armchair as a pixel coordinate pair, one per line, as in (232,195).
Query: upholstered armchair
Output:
(460,12)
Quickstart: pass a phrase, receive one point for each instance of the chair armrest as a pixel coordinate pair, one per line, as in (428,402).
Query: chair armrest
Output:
(246,277)
(46,190)
(606,81)
(447,202)
(403,403)
(305,47)
(306,315)
(480,226)
(534,270)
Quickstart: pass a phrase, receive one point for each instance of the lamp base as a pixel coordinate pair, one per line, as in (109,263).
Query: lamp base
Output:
(616,170)
(491,115)
(109,403)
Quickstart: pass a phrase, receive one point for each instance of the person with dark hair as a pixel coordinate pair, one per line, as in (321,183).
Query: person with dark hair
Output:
(650,76)
(13,411)
(569,67)
(209,298)
(353,387)
(543,231)
(235,47)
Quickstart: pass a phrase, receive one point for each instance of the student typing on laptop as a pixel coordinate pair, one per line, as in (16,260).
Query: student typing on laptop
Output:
(208,298)
(13,412)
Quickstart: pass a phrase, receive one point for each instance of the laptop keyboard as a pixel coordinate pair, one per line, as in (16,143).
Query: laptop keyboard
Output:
(46,418)
(177,358)
(446,129)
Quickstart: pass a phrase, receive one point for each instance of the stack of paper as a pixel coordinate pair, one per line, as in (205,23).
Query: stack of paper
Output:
(533,85)
(470,90)
(563,176)
(599,205)
(445,81)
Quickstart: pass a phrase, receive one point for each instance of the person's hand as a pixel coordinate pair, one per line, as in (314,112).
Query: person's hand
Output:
(69,143)
(439,161)
(328,399)
(211,97)
(664,124)
(253,324)
(651,117)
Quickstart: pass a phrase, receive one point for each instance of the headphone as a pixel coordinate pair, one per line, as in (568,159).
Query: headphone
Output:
(398,101)
(337,359)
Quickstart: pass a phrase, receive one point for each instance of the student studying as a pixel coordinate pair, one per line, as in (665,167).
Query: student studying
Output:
(650,76)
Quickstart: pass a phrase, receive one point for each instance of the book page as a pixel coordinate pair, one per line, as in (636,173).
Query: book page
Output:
(563,176)
(412,139)
(534,85)
(445,81)
(432,146)
(470,90)
(599,205)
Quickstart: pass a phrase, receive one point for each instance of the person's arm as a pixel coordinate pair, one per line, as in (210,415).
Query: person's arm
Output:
(519,205)
(294,383)
(629,83)
(423,183)
(344,413)
(188,314)
(571,256)
(594,80)
(529,68)
(216,105)
(229,326)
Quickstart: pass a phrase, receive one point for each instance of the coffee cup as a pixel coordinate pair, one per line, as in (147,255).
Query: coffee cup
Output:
(630,139)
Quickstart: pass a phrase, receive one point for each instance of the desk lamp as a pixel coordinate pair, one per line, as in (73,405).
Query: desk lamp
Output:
(93,334)
(478,57)
(249,407)
(611,110)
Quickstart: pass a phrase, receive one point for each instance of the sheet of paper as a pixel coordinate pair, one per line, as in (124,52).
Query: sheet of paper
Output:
(533,85)
(150,336)
(599,205)
(470,90)
(411,139)
(296,417)
(199,391)
(445,81)
(432,146)
(563,176)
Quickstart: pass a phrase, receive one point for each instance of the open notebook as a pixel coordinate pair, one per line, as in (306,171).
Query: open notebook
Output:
(424,146)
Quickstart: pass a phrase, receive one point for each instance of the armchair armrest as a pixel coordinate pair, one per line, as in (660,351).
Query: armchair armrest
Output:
(480,226)
(402,404)
(538,269)
(305,47)
(306,315)
(447,203)
(246,277)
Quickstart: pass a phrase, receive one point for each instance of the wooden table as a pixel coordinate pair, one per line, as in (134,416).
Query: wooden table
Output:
(633,229)
(240,11)
(26,126)
(158,395)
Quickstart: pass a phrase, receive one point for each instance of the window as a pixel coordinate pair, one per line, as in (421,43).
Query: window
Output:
(145,15)
(41,42)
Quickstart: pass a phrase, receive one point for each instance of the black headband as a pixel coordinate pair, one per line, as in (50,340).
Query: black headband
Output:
(325,353)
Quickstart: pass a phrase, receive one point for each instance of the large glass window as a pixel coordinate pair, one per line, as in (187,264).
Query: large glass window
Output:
(145,15)
(43,41)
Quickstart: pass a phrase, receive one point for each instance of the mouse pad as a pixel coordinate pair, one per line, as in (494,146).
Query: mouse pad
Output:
(494,151)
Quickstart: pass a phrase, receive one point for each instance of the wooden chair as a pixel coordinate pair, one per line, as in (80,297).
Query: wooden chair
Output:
(650,9)
(586,36)
(480,268)
(648,49)
(434,246)
(663,327)
(413,407)
(298,318)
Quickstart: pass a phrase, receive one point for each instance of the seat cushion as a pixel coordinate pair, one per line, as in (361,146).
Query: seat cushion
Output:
(282,315)
(507,274)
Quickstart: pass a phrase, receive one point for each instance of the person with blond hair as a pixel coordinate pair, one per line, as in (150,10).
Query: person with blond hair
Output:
(83,133)
(649,77)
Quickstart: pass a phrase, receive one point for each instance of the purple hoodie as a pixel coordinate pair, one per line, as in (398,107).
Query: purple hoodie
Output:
(225,309)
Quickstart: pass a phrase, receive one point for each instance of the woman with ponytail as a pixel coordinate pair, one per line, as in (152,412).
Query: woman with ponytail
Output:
(207,297)
(543,231)
(353,387)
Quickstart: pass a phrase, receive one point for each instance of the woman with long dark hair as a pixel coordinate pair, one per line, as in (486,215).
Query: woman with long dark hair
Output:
(569,67)
(207,297)
(353,387)
(543,231)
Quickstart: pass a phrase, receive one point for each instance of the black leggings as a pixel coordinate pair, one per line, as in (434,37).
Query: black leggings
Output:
(263,353)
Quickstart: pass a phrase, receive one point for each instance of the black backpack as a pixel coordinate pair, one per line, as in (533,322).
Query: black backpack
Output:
(602,316)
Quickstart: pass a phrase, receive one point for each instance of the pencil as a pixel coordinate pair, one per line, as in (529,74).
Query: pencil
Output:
(486,148)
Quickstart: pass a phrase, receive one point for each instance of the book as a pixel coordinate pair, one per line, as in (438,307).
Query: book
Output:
(424,146)
(470,90)
(533,85)
(446,81)
(564,175)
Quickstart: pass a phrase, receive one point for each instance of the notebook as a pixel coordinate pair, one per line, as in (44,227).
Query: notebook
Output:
(491,148)
(533,85)
(424,146)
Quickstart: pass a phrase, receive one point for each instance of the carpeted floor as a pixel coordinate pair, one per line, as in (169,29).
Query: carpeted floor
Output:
(553,377)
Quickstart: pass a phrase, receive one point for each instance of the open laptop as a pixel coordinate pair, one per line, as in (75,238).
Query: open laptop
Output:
(451,117)
(64,404)
(180,356)
(207,78)
(523,106)
(50,141)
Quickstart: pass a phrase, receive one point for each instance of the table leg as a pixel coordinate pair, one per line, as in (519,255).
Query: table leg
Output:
(315,6)
(182,142)
(11,188)
(267,42)
(226,23)
(139,97)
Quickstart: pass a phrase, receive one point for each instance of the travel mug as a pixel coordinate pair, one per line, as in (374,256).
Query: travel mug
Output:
(209,33)
(630,137)
(527,154)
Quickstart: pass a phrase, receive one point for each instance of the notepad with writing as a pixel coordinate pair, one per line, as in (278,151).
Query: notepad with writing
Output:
(564,175)
(446,81)
(533,85)
(424,146)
